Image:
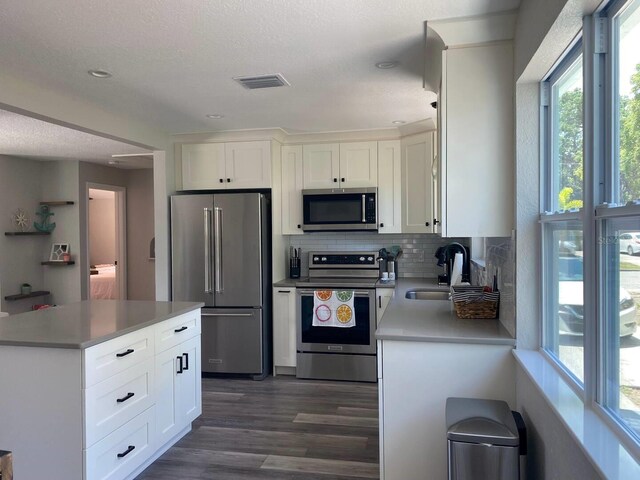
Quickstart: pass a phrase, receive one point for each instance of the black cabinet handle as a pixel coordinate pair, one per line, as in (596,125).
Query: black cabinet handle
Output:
(284,291)
(427,224)
(299,226)
(382,224)
(228,180)
(436,222)
(335,180)
(126,397)
(221,181)
(181,329)
(343,179)
(379,301)
(186,361)
(180,368)
(124,354)
(127,451)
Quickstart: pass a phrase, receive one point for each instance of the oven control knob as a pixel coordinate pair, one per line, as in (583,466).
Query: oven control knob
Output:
(362,259)
(315,259)
(324,259)
(370,259)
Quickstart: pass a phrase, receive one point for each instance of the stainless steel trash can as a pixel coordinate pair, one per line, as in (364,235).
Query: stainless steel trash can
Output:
(483,440)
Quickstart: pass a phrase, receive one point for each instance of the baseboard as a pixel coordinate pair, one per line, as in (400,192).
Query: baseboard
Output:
(284,371)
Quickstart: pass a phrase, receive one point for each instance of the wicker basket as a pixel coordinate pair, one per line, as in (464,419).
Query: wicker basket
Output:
(474,302)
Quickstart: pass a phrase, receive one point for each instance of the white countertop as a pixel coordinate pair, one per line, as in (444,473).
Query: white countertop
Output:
(84,324)
(434,320)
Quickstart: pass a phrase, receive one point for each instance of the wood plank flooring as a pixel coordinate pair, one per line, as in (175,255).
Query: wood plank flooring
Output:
(279,428)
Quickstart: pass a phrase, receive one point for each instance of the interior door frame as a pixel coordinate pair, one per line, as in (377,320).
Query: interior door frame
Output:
(121,236)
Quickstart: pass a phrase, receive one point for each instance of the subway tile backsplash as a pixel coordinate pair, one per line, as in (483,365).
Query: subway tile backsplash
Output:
(418,250)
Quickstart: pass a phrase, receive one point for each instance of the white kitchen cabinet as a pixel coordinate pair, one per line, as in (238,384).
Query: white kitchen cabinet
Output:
(233,165)
(415,380)
(383,297)
(344,165)
(284,327)
(389,187)
(417,164)
(292,185)
(476,152)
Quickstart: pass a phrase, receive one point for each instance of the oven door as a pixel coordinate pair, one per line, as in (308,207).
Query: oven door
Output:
(340,209)
(358,339)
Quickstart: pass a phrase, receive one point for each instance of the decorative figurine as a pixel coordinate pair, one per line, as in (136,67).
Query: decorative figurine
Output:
(44,225)
(21,220)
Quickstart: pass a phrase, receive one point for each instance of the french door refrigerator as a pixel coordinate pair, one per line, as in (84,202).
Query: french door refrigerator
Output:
(220,256)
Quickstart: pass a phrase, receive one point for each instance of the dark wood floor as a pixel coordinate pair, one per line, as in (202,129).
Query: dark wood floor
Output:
(279,428)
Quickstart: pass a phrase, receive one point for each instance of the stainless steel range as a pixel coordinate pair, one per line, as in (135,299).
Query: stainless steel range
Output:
(335,353)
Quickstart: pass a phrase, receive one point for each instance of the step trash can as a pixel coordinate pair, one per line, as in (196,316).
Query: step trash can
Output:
(484,440)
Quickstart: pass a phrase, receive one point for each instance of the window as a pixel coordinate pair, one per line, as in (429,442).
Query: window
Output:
(590,214)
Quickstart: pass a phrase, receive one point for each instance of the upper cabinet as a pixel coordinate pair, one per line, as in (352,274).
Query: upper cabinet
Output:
(417,183)
(345,165)
(389,187)
(234,165)
(476,152)
(292,184)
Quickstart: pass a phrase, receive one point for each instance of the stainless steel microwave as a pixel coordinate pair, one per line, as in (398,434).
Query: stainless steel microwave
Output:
(339,209)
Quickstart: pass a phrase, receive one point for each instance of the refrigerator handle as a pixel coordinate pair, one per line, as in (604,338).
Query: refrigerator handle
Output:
(217,248)
(207,251)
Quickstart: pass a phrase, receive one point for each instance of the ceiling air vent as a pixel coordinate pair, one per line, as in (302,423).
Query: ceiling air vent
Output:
(262,81)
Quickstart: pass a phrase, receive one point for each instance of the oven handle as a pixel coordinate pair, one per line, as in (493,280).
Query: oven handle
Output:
(359,293)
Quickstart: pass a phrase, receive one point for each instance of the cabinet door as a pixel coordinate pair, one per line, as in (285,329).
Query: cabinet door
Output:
(359,164)
(383,297)
(203,166)
(321,165)
(248,165)
(189,384)
(292,184)
(389,187)
(168,422)
(284,327)
(417,157)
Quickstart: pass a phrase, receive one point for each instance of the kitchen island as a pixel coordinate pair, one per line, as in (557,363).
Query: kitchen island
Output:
(425,355)
(98,389)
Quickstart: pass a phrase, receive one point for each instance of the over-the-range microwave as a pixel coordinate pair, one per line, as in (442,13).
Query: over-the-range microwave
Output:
(340,209)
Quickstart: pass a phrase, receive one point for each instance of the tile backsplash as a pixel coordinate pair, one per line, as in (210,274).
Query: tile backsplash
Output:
(418,250)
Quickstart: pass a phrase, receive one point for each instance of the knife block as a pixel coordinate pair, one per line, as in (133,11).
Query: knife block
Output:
(294,268)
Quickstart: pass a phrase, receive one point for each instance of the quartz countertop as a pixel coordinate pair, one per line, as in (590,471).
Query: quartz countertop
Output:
(288,282)
(84,324)
(434,320)
(296,282)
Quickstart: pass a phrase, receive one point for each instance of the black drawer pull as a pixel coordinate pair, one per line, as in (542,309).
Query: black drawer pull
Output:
(124,354)
(180,366)
(181,329)
(126,397)
(127,451)
(186,361)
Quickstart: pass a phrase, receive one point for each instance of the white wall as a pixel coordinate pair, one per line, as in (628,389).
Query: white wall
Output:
(102,230)
(20,257)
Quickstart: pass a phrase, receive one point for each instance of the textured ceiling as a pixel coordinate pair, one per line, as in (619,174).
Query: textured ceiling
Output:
(27,137)
(173,61)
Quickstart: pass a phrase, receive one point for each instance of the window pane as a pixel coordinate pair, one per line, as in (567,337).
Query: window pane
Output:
(564,319)
(628,111)
(567,138)
(620,247)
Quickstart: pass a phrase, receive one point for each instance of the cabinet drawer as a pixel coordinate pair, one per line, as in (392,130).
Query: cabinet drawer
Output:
(106,359)
(176,330)
(113,402)
(120,453)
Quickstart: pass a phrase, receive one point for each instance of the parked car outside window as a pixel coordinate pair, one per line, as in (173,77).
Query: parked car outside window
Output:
(630,242)
(571,300)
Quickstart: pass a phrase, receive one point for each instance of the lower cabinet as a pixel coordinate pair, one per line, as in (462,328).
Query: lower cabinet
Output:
(383,297)
(414,381)
(284,327)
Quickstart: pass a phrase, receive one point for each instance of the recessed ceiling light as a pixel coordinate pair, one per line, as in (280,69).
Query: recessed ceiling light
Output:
(398,122)
(99,73)
(114,162)
(215,116)
(386,65)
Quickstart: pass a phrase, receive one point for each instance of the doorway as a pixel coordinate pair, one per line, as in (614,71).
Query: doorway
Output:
(106,238)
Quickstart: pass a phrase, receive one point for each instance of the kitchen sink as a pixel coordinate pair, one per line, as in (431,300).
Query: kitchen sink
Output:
(425,294)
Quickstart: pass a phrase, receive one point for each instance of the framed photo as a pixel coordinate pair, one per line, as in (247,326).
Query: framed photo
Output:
(58,251)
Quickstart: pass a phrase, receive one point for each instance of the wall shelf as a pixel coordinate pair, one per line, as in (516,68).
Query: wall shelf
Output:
(19,296)
(59,264)
(20,234)
(58,203)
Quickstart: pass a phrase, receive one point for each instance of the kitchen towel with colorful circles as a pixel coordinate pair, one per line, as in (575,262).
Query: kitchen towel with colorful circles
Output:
(333,308)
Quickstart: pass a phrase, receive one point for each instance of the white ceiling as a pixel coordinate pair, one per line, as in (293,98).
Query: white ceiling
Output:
(27,137)
(173,61)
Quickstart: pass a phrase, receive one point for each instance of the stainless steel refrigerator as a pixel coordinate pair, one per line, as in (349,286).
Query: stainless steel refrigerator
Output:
(220,255)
